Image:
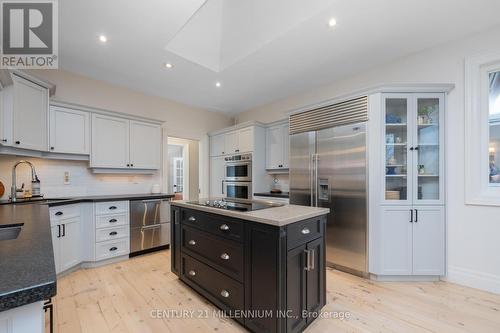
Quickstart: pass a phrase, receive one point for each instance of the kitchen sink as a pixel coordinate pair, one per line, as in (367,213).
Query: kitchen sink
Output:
(10,231)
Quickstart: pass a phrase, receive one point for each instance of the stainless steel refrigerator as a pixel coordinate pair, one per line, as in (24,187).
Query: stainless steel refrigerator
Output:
(328,168)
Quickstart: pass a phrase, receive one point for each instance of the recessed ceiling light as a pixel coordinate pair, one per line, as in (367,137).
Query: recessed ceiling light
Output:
(103,38)
(332,22)
(217,84)
(168,65)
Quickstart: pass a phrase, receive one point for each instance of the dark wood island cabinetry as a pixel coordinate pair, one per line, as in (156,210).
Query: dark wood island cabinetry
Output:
(270,278)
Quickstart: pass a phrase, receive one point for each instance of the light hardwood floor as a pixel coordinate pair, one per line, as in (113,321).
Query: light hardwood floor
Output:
(120,297)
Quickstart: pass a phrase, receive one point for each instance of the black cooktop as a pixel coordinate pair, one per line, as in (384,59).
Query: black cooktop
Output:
(236,206)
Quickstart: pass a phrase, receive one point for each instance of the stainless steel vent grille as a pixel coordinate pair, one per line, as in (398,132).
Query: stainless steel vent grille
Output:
(348,112)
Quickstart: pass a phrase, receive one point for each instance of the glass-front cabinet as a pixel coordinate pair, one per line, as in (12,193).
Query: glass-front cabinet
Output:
(413,137)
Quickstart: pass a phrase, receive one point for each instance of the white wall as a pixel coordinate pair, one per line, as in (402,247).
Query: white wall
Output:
(82,180)
(473,231)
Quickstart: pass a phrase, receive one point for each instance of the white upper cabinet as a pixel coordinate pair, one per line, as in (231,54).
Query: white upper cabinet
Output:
(145,145)
(119,143)
(245,140)
(217,145)
(69,131)
(110,142)
(234,142)
(413,148)
(30,105)
(277,150)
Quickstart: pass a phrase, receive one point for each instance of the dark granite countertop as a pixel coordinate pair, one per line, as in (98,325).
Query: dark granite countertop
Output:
(273,195)
(91,198)
(27,269)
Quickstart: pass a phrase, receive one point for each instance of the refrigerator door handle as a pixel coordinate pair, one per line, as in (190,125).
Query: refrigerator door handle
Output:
(311,178)
(316,180)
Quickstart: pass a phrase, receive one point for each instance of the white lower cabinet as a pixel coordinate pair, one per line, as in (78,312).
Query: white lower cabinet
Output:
(428,241)
(411,240)
(66,237)
(396,241)
(217,167)
(112,229)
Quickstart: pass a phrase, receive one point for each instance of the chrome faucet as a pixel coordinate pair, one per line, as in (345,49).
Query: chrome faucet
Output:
(14,188)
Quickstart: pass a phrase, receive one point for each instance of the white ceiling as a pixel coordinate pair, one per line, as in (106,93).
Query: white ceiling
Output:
(260,50)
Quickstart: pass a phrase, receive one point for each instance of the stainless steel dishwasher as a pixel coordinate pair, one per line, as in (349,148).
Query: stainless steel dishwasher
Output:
(149,225)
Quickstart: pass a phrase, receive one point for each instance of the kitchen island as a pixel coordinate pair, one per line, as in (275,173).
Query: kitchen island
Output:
(264,267)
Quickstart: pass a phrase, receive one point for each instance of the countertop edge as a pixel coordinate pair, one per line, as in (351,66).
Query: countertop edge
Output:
(249,217)
(111,198)
(17,298)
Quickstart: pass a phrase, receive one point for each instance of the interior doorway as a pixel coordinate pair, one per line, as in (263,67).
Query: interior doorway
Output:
(182,161)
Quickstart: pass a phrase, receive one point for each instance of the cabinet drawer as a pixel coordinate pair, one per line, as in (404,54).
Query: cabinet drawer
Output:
(111,220)
(63,212)
(221,287)
(302,232)
(111,233)
(110,249)
(111,207)
(214,224)
(225,255)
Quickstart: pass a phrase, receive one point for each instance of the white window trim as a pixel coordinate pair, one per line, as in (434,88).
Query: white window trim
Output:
(477,187)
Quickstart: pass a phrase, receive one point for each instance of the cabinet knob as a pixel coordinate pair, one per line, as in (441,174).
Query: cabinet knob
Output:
(131,164)
(305,231)
(192,273)
(192,242)
(223,153)
(112,207)
(58,213)
(51,148)
(128,164)
(113,220)
(191,219)
(224,227)
(113,233)
(18,142)
(224,256)
(4,140)
(114,248)
(224,293)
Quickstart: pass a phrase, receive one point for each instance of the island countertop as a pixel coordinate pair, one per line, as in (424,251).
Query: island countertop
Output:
(27,270)
(277,216)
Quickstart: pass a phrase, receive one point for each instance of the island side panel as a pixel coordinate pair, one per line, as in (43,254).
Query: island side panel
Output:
(265,276)
(175,242)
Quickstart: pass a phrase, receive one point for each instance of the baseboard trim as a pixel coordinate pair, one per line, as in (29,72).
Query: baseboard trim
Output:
(404,278)
(471,278)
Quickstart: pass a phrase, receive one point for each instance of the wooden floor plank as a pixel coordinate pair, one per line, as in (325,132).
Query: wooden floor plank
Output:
(120,298)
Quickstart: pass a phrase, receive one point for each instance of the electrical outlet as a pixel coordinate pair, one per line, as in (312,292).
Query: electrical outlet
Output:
(66,178)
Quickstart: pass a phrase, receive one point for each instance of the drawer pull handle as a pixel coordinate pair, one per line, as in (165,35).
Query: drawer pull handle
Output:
(112,207)
(191,219)
(114,248)
(113,220)
(224,293)
(224,227)
(192,242)
(113,233)
(305,231)
(192,273)
(59,213)
(224,256)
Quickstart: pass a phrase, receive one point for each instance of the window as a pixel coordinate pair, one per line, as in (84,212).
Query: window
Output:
(494,128)
(482,130)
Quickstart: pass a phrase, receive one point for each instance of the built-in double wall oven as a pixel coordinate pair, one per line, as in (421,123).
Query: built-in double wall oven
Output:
(238,177)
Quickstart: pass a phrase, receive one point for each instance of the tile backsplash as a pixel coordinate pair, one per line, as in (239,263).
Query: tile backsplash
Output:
(81,179)
(282,181)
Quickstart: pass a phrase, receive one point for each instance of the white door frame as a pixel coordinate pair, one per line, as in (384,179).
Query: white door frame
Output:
(185,156)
